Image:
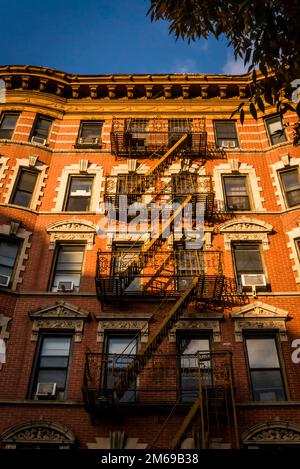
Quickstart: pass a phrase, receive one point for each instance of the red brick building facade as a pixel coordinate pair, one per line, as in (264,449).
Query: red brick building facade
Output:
(135,340)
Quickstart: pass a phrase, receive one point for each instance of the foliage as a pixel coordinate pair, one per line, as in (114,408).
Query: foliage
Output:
(264,33)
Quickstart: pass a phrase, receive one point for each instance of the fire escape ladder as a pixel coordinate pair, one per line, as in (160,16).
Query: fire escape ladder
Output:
(139,362)
(135,267)
(159,167)
(181,432)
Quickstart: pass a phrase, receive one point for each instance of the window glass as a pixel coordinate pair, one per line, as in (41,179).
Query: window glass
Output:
(275,130)
(8,254)
(236,193)
(42,127)
(226,135)
(79,194)
(8,124)
(68,268)
(291,186)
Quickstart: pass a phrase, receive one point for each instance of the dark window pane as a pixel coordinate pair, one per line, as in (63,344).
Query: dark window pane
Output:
(24,189)
(68,266)
(79,194)
(291,186)
(42,127)
(236,193)
(267,385)
(22,198)
(247,259)
(53,376)
(8,255)
(226,134)
(8,124)
(91,130)
(27,181)
(78,204)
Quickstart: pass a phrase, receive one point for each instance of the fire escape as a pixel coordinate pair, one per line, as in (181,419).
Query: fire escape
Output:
(176,277)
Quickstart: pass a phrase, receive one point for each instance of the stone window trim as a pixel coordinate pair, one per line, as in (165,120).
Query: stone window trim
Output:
(294,236)
(83,168)
(260,316)
(4,334)
(234,166)
(285,162)
(72,229)
(246,229)
(59,316)
(33,164)
(117,322)
(24,236)
(38,432)
(116,440)
(3,167)
(275,431)
(207,323)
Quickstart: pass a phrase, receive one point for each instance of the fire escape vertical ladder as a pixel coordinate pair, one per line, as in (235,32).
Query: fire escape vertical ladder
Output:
(139,262)
(185,424)
(136,366)
(164,161)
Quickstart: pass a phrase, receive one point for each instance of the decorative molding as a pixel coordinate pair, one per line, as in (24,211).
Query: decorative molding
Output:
(259,316)
(274,432)
(203,323)
(39,186)
(4,334)
(59,316)
(245,229)
(77,169)
(293,235)
(39,432)
(72,230)
(275,168)
(244,170)
(3,167)
(117,440)
(120,322)
(24,235)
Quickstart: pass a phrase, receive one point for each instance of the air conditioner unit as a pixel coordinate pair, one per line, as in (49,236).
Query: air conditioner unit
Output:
(65,286)
(89,140)
(40,140)
(4,280)
(253,280)
(46,390)
(228,144)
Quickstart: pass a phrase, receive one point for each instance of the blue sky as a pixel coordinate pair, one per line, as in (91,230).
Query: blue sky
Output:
(102,37)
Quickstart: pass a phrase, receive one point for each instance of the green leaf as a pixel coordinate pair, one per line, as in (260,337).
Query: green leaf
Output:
(242,116)
(253,111)
(260,104)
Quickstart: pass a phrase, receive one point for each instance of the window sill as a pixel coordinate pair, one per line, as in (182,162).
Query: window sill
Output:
(268,404)
(28,402)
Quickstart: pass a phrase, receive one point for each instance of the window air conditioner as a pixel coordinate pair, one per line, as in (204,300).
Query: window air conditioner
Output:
(253,280)
(89,140)
(40,140)
(46,390)
(65,286)
(228,144)
(4,280)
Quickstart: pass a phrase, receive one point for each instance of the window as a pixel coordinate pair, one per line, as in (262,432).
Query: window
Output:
(291,186)
(136,132)
(8,255)
(51,371)
(130,186)
(67,272)
(177,128)
(189,365)
(236,193)
(275,130)
(264,369)
(124,254)
(24,188)
(188,264)
(8,124)
(79,194)
(90,134)
(41,130)
(120,350)
(226,136)
(248,262)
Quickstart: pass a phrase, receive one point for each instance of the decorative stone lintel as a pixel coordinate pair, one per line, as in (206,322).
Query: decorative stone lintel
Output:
(59,316)
(117,321)
(260,316)
(201,323)
(276,431)
(69,230)
(245,229)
